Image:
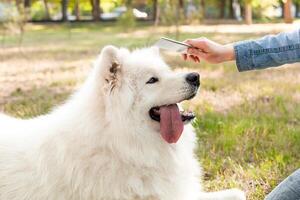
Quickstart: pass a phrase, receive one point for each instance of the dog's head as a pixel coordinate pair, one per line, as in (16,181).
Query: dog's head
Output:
(139,87)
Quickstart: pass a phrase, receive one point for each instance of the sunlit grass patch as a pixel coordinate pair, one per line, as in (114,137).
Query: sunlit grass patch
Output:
(253,143)
(33,103)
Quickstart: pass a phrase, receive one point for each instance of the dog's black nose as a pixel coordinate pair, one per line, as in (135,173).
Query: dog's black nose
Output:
(193,79)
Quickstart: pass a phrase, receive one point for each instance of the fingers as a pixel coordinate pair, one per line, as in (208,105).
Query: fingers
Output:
(191,57)
(198,53)
(194,58)
(193,51)
(200,43)
(200,47)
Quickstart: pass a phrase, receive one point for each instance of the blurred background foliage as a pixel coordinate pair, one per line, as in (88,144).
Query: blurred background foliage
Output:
(158,11)
(14,14)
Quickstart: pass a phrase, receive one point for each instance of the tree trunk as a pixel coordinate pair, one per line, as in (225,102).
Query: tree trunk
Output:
(231,11)
(282,9)
(21,22)
(77,10)
(27,5)
(47,10)
(297,5)
(222,7)
(19,5)
(288,18)
(248,13)
(154,10)
(181,4)
(202,5)
(64,10)
(177,18)
(128,3)
(95,9)
(181,9)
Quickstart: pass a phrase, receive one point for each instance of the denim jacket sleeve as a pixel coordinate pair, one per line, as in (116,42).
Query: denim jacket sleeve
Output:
(269,51)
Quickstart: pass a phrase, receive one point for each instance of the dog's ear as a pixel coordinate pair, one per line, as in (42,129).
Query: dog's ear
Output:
(155,50)
(110,65)
(110,51)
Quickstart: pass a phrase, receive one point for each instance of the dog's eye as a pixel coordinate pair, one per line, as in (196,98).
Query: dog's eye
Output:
(152,80)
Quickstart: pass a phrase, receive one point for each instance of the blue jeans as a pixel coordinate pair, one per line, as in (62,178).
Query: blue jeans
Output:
(289,189)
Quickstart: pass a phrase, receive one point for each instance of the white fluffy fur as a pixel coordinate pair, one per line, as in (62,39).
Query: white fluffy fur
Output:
(102,144)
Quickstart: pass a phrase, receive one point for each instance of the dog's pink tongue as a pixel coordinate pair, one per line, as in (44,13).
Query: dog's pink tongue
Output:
(171,125)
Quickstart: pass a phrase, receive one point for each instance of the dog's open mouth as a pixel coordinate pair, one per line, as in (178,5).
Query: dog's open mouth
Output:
(171,121)
(186,116)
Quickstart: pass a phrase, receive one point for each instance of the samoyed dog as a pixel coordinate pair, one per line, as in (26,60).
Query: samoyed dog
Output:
(121,136)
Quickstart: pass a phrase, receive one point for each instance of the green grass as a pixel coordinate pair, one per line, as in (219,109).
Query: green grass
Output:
(33,103)
(248,124)
(256,142)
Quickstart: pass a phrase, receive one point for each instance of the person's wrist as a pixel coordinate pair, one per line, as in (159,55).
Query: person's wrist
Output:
(229,52)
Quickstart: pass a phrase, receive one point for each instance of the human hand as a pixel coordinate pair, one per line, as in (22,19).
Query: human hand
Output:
(209,51)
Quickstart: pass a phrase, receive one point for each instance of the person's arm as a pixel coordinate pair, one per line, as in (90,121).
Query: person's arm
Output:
(269,51)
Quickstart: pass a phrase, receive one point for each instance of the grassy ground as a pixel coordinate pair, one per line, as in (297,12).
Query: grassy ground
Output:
(248,124)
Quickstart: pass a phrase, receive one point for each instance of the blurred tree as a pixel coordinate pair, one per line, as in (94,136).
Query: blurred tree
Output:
(77,10)
(282,8)
(127,20)
(230,8)
(64,10)
(257,9)
(43,9)
(128,3)
(248,11)
(18,4)
(180,10)
(154,9)
(288,18)
(171,14)
(96,9)
(297,6)
(47,12)
(18,21)
(27,4)
(263,10)
(222,8)
(156,12)
(202,9)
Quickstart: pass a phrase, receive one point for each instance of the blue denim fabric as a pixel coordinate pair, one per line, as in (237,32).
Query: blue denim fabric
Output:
(269,51)
(289,189)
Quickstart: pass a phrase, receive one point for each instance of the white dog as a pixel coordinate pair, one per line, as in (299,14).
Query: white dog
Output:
(120,137)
